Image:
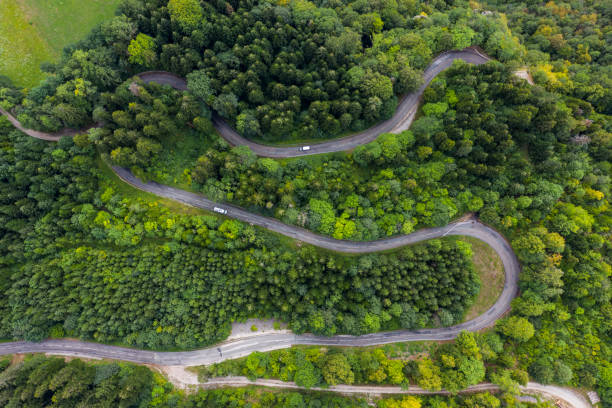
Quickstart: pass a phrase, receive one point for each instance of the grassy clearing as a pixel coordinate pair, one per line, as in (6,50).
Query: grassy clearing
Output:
(22,47)
(490,269)
(63,22)
(35,31)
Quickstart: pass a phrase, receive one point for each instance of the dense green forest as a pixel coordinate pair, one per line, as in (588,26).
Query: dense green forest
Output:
(497,152)
(139,120)
(568,46)
(79,257)
(40,381)
(295,70)
(447,366)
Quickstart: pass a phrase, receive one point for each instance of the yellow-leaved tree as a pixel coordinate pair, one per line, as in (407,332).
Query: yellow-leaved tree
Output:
(405,402)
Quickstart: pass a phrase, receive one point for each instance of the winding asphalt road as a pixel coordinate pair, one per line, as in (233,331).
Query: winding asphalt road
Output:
(266,342)
(401,119)
(241,347)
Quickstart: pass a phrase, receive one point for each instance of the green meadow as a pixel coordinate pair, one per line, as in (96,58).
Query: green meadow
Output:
(35,31)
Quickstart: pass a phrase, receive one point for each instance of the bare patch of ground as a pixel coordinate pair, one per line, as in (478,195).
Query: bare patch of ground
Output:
(179,376)
(17,358)
(524,74)
(247,329)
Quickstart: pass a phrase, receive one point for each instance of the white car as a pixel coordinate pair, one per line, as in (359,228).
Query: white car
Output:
(220,210)
(305,148)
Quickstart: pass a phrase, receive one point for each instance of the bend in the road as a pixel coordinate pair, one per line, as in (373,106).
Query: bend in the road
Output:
(401,119)
(243,347)
(471,228)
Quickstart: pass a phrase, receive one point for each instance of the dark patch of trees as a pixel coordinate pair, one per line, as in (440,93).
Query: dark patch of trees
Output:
(41,382)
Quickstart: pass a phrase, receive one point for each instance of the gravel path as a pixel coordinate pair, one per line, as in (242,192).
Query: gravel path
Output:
(185,379)
(567,395)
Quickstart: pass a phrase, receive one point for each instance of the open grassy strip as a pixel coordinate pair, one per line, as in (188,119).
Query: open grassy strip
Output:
(36,31)
(62,22)
(490,270)
(22,47)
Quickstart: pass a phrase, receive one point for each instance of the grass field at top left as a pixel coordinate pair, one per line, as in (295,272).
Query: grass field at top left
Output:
(35,31)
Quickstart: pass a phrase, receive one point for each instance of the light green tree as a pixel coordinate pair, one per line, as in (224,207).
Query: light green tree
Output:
(517,328)
(337,370)
(429,375)
(187,13)
(199,85)
(142,50)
